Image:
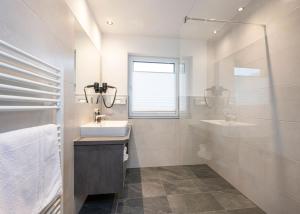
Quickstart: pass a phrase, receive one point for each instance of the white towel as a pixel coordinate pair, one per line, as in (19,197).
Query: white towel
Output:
(30,174)
(125,155)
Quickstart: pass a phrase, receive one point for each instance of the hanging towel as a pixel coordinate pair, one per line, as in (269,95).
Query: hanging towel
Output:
(30,173)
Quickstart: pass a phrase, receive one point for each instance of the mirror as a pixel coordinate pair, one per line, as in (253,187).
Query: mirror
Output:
(87,65)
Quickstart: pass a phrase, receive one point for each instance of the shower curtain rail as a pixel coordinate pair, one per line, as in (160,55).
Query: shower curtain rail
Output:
(187,18)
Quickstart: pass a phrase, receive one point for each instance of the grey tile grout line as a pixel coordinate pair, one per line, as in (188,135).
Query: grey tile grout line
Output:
(224,209)
(116,207)
(238,192)
(160,181)
(117,204)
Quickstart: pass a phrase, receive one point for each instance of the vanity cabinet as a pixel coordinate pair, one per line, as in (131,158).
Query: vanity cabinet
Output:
(99,165)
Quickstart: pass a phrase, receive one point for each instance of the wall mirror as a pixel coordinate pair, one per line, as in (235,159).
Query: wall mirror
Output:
(87,65)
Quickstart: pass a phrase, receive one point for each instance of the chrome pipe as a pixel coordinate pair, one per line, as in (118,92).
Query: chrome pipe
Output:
(26,99)
(26,108)
(186,19)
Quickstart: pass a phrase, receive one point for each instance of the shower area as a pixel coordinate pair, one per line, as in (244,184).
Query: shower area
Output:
(234,110)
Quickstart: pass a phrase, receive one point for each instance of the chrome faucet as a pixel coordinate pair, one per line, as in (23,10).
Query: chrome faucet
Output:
(230,117)
(229,114)
(98,116)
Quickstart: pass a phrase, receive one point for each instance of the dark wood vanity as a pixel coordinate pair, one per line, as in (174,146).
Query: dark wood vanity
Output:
(99,165)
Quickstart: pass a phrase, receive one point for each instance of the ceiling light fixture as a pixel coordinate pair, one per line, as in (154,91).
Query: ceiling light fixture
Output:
(109,22)
(241,9)
(215,31)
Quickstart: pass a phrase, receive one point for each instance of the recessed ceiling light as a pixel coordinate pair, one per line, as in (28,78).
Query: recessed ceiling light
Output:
(215,31)
(241,9)
(109,22)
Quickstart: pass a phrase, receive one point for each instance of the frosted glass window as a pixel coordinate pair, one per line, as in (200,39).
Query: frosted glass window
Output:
(153,67)
(246,72)
(153,87)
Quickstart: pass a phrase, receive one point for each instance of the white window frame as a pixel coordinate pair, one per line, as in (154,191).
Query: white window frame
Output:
(152,114)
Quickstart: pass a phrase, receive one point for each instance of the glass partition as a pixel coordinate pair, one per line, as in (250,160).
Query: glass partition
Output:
(225,97)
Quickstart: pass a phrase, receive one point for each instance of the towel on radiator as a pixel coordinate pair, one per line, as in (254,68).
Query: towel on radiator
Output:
(30,173)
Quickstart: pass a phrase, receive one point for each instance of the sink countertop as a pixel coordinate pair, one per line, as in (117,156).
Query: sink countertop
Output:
(227,123)
(107,123)
(102,140)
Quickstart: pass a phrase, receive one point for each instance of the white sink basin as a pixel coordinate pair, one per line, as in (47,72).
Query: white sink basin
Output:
(107,128)
(226,123)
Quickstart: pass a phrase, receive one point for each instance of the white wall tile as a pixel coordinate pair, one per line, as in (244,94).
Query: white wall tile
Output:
(267,169)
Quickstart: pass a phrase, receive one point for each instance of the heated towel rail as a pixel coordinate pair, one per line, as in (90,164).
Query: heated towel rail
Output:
(27,83)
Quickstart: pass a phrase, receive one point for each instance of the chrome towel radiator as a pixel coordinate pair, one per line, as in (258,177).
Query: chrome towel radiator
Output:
(27,83)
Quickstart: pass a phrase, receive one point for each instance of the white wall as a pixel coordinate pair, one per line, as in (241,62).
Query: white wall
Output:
(197,78)
(117,47)
(156,142)
(46,29)
(86,19)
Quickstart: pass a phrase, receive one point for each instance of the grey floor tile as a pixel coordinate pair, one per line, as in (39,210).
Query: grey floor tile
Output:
(255,210)
(209,212)
(214,212)
(175,173)
(203,171)
(195,189)
(133,175)
(181,186)
(198,166)
(99,204)
(213,184)
(153,189)
(139,175)
(155,205)
(133,170)
(193,203)
(131,191)
(232,199)
(142,190)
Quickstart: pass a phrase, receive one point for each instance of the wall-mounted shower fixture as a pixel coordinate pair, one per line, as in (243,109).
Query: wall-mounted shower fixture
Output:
(186,19)
(240,9)
(216,92)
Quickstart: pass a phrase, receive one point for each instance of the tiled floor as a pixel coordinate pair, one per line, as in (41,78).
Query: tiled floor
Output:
(175,190)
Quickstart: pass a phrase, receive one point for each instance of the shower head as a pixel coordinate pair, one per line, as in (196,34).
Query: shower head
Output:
(186,19)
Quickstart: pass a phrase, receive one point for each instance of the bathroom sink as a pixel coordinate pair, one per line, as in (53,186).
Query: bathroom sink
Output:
(226,123)
(108,128)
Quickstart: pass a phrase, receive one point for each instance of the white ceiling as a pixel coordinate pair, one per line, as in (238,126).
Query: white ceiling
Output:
(162,17)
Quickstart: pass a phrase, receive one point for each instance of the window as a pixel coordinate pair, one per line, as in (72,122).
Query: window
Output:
(153,87)
(246,72)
